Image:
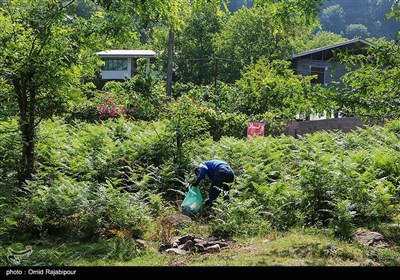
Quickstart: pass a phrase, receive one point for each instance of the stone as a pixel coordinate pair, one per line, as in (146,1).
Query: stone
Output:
(370,238)
(212,249)
(176,251)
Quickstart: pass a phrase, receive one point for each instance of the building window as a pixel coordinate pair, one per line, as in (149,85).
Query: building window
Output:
(320,73)
(115,64)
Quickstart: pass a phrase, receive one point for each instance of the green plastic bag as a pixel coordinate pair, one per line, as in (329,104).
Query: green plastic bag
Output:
(193,202)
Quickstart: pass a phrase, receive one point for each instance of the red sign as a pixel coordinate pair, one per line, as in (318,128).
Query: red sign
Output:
(255,128)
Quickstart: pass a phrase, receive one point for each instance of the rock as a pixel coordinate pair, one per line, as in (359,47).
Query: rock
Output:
(185,238)
(199,247)
(212,249)
(189,242)
(222,244)
(199,241)
(211,238)
(164,247)
(370,238)
(141,243)
(176,251)
(188,246)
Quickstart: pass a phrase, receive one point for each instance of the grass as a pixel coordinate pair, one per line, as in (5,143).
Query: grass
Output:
(294,248)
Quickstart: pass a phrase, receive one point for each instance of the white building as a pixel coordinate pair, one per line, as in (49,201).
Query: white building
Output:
(122,64)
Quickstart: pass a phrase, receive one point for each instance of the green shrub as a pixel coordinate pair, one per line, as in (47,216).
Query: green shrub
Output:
(82,210)
(238,217)
(10,142)
(282,201)
(342,221)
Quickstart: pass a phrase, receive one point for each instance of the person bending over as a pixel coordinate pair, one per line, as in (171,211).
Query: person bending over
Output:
(219,173)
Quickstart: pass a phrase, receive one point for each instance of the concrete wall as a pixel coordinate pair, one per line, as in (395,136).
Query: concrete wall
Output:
(347,124)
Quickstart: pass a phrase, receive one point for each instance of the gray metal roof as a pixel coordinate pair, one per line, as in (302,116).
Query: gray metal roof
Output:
(127,53)
(332,47)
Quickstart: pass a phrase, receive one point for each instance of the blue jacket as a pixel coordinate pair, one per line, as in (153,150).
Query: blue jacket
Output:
(209,168)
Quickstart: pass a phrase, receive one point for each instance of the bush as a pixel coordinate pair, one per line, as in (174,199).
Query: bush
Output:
(238,217)
(81,210)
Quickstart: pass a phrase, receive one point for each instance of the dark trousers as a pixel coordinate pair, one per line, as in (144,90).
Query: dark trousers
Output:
(222,176)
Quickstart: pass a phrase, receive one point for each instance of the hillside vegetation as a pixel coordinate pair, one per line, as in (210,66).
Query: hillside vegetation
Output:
(90,168)
(107,182)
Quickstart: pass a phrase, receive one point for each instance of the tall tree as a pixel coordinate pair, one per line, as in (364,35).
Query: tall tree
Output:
(45,50)
(357,31)
(269,29)
(318,40)
(195,53)
(373,90)
(370,13)
(175,20)
(333,19)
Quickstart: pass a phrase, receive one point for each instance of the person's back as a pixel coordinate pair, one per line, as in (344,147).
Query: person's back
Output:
(213,165)
(220,173)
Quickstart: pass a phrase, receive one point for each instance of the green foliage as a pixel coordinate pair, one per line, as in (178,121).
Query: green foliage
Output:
(281,201)
(194,60)
(17,255)
(36,50)
(226,124)
(84,153)
(357,31)
(337,15)
(220,97)
(393,127)
(142,96)
(395,11)
(272,87)
(46,50)
(224,108)
(185,123)
(114,177)
(269,29)
(371,92)
(333,19)
(242,40)
(238,218)
(45,253)
(131,152)
(342,221)
(319,40)
(9,154)
(328,180)
(317,182)
(7,224)
(109,180)
(83,210)
(148,143)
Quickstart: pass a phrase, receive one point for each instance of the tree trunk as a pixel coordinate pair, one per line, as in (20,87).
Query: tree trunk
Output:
(27,103)
(170,60)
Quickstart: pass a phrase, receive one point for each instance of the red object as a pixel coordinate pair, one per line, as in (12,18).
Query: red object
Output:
(255,128)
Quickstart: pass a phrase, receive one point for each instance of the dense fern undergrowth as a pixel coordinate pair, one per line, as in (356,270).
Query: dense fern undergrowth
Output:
(105,182)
